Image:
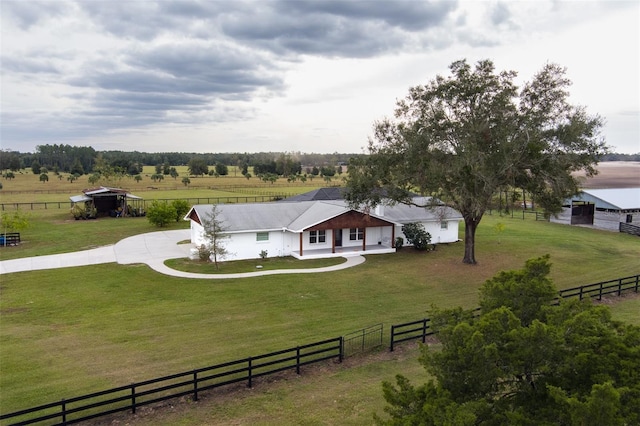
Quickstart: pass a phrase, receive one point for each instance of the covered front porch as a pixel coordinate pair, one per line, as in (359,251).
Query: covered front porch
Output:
(343,251)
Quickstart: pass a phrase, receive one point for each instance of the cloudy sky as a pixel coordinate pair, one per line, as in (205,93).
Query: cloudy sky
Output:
(276,75)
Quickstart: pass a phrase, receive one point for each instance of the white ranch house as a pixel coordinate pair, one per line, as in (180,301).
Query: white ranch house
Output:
(320,228)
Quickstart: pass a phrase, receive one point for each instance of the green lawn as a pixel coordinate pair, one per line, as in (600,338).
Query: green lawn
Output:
(72,331)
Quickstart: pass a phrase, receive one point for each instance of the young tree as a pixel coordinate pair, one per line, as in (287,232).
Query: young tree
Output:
(467,136)
(214,234)
(44,178)
(222,169)
(174,173)
(13,222)
(186,181)
(524,361)
(198,167)
(161,213)
(182,207)
(94,178)
(35,167)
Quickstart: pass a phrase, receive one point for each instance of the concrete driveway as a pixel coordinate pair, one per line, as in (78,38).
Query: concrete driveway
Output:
(153,249)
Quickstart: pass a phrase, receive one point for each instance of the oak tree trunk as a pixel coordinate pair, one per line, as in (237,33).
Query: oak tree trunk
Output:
(470,226)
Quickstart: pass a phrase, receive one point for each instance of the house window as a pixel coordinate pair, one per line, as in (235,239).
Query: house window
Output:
(356,234)
(317,237)
(444,225)
(262,236)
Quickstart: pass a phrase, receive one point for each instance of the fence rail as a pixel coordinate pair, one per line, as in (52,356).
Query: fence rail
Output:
(617,286)
(187,383)
(46,205)
(420,329)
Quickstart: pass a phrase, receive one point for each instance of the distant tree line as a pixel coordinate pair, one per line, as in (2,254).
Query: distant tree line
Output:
(75,160)
(621,157)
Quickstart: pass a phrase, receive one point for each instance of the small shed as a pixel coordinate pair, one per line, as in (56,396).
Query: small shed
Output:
(106,201)
(602,208)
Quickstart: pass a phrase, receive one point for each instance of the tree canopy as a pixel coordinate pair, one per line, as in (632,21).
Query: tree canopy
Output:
(467,136)
(524,361)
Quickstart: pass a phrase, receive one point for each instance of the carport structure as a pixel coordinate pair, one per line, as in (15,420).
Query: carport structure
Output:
(110,201)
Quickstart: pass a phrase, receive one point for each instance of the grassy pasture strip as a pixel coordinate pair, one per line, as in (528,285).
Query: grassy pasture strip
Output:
(26,186)
(71,331)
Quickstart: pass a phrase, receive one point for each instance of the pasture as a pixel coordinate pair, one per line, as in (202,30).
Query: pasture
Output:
(72,331)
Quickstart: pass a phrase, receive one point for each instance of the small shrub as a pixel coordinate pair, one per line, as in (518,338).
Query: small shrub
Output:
(204,253)
(161,213)
(399,243)
(263,254)
(182,207)
(417,236)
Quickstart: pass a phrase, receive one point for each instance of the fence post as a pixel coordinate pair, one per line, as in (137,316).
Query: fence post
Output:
(393,329)
(64,412)
(619,286)
(424,330)
(195,385)
(600,295)
(341,355)
(250,384)
(581,288)
(637,282)
(133,398)
(298,360)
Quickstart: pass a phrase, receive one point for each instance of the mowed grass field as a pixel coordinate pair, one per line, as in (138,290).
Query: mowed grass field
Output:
(27,188)
(72,331)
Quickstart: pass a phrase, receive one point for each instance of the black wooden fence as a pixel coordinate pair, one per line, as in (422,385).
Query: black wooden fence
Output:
(597,290)
(187,383)
(420,329)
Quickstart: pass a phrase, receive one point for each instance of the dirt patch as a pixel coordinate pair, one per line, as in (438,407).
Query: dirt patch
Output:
(612,299)
(613,174)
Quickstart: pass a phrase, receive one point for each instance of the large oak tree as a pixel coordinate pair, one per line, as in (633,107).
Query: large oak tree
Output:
(467,136)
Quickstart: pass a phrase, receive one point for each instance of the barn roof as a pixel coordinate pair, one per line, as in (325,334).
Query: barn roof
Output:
(101,191)
(612,199)
(331,193)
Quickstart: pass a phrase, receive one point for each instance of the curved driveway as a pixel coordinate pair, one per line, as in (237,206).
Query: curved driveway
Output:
(153,249)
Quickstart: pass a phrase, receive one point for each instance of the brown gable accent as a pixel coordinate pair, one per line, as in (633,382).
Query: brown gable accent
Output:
(350,219)
(194,216)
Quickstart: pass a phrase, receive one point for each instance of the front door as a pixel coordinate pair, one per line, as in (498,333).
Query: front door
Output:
(338,237)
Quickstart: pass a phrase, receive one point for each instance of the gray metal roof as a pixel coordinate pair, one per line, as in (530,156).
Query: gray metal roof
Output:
(102,191)
(612,199)
(297,216)
(405,214)
(79,198)
(330,193)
